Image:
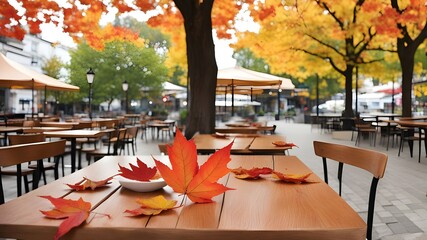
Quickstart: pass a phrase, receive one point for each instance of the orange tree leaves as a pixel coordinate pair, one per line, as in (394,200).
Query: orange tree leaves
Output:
(75,212)
(141,172)
(200,185)
(152,206)
(87,183)
(252,173)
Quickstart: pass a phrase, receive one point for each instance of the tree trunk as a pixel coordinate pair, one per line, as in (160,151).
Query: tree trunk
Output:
(202,68)
(406,58)
(348,113)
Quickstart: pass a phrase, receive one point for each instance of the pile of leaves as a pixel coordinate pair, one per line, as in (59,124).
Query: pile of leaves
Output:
(255,173)
(199,183)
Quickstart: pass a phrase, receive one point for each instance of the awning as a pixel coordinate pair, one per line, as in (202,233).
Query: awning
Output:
(15,75)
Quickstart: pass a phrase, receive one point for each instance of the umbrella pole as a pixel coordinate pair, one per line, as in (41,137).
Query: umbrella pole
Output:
(32,103)
(45,100)
(232,97)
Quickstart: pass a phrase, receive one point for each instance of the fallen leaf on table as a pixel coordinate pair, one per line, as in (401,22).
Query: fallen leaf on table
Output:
(220,135)
(284,144)
(200,185)
(293,178)
(75,212)
(87,183)
(252,173)
(141,172)
(152,206)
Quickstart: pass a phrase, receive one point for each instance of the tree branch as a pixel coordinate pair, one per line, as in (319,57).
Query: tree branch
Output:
(325,44)
(334,16)
(327,58)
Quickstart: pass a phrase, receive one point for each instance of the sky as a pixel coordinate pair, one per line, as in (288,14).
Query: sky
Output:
(223,52)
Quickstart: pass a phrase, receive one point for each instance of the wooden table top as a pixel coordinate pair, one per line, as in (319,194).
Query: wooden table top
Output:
(244,144)
(242,130)
(411,123)
(75,133)
(256,209)
(4,129)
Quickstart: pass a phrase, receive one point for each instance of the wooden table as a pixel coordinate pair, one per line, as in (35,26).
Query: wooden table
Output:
(241,130)
(72,135)
(158,125)
(257,209)
(7,129)
(421,125)
(243,143)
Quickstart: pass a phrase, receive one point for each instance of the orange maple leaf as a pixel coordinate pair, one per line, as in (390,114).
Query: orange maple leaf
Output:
(252,173)
(152,206)
(200,185)
(75,212)
(284,144)
(293,178)
(141,172)
(87,183)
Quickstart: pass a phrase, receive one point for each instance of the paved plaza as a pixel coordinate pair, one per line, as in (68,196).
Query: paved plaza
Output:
(401,204)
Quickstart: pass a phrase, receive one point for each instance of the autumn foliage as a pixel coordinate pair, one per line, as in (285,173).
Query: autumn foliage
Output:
(87,183)
(186,177)
(75,213)
(252,173)
(152,206)
(140,172)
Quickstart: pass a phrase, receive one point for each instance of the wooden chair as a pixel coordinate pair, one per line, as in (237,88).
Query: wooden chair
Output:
(163,149)
(371,161)
(366,129)
(32,138)
(143,128)
(12,155)
(130,138)
(410,134)
(111,146)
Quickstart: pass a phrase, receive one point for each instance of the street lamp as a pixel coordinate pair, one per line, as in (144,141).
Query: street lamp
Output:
(90,75)
(125,87)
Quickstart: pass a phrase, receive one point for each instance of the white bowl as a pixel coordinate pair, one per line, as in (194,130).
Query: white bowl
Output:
(139,186)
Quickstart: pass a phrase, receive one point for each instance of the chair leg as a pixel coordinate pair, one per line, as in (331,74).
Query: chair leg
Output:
(411,147)
(55,170)
(1,190)
(19,180)
(63,167)
(26,184)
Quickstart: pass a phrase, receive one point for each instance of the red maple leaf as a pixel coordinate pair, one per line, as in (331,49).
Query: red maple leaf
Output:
(200,185)
(75,212)
(141,172)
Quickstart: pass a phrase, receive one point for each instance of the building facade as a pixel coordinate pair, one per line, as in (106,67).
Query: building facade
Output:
(32,52)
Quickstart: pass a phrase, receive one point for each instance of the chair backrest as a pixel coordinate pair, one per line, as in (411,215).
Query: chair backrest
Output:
(163,149)
(131,132)
(371,161)
(83,125)
(26,138)
(13,155)
(31,123)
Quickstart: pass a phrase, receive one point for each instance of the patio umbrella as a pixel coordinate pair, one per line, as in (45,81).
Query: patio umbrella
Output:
(249,79)
(16,76)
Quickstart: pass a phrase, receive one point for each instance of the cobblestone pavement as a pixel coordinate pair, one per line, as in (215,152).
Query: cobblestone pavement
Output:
(401,204)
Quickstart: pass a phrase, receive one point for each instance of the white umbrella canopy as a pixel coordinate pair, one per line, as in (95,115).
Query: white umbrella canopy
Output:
(238,76)
(248,81)
(15,75)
